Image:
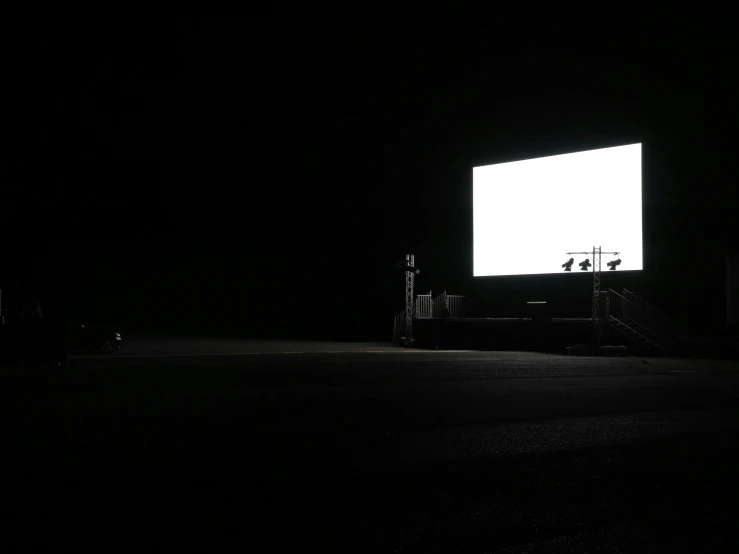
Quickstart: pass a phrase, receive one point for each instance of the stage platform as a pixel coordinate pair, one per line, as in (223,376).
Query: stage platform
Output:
(503,333)
(514,319)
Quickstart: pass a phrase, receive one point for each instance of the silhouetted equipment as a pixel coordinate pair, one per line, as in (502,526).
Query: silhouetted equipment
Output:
(406,266)
(584,265)
(568,264)
(595,317)
(612,265)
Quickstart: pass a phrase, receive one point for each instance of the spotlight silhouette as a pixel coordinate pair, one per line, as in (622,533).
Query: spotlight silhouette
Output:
(612,265)
(568,264)
(406,267)
(584,265)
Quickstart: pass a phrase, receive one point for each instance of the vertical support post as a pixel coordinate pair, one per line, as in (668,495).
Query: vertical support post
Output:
(409,273)
(596,300)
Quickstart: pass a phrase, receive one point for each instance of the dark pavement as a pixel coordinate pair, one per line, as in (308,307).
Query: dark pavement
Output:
(368,448)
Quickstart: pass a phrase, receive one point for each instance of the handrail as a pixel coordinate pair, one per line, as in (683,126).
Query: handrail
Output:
(399,325)
(632,313)
(651,307)
(645,330)
(658,316)
(644,338)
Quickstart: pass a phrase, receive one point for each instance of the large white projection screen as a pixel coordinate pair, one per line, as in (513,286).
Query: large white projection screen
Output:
(528,214)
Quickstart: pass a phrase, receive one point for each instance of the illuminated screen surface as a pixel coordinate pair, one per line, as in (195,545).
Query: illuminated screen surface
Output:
(528,214)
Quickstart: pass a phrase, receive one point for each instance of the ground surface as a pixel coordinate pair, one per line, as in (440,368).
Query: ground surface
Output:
(185,445)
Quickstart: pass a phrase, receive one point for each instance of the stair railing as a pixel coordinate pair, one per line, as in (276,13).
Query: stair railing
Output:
(652,316)
(639,316)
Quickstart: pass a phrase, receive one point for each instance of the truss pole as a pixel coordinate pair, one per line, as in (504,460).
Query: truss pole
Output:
(409,274)
(595,307)
(596,300)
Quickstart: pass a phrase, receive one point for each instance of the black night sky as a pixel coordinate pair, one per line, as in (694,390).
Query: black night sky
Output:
(263,176)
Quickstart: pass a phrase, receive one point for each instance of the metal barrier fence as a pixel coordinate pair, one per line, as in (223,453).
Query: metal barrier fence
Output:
(424,308)
(452,302)
(651,314)
(456,305)
(427,307)
(399,326)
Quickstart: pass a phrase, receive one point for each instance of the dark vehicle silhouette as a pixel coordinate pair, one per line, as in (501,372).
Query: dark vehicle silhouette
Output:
(87,337)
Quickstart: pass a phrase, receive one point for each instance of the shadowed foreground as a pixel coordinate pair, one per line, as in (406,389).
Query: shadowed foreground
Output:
(376,449)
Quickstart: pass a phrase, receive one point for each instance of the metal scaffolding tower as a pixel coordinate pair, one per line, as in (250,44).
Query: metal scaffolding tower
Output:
(596,300)
(596,312)
(409,268)
(409,276)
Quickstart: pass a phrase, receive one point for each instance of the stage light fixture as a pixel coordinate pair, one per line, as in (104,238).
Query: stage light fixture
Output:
(612,265)
(568,264)
(403,265)
(584,265)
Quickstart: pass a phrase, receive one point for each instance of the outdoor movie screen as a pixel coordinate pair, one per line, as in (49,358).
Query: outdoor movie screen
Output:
(528,214)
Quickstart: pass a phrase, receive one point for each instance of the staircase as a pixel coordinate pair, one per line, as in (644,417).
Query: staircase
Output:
(640,322)
(635,336)
(652,317)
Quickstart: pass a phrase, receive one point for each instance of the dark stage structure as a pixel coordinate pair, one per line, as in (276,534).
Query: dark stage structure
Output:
(617,319)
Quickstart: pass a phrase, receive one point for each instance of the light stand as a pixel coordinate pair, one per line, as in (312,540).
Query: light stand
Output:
(596,327)
(411,271)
